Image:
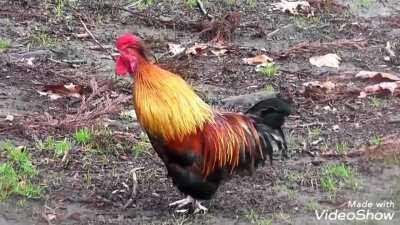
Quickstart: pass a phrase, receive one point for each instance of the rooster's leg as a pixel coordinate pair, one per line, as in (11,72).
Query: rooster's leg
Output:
(196,206)
(180,203)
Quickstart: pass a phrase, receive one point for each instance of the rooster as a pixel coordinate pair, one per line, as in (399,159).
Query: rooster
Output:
(199,146)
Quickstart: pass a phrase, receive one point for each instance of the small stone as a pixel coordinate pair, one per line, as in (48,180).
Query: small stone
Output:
(9,118)
(335,127)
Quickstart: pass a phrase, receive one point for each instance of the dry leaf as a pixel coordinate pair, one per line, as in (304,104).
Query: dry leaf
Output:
(197,49)
(292,7)
(328,60)
(175,49)
(58,91)
(328,85)
(258,59)
(381,88)
(218,52)
(81,35)
(377,76)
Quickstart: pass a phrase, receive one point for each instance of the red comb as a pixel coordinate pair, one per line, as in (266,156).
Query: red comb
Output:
(126,40)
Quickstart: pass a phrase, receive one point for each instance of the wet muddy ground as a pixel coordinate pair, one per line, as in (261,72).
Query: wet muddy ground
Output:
(94,184)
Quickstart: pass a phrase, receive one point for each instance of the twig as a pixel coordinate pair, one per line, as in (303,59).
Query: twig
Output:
(203,9)
(95,40)
(134,187)
(394,120)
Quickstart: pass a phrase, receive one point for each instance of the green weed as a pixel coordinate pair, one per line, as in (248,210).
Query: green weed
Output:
(4,45)
(83,136)
(252,216)
(366,4)
(335,177)
(285,217)
(17,172)
(269,89)
(294,176)
(60,6)
(311,206)
(191,3)
(144,3)
(314,132)
(60,147)
(40,38)
(292,194)
(294,141)
(306,22)
(377,102)
(342,148)
(269,69)
(376,140)
(45,145)
(104,141)
(142,146)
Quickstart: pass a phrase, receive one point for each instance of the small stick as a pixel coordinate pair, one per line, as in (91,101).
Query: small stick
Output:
(134,187)
(95,40)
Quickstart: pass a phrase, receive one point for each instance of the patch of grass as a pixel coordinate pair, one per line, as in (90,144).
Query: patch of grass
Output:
(314,132)
(143,3)
(292,194)
(269,88)
(311,206)
(4,45)
(142,146)
(191,3)
(376,140)
(335,177)
(377,102)
(294,176)
(17,173)
(366,4)
(306,22)
(60,6)
(269,69)
(60,147)
(294,142)
(341,148)
(45,145)
(105,142)
(83,136)
(285,217)
(252,216)
(40,38)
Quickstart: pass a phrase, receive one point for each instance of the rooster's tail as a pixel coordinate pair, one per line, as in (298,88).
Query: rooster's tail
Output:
(269,116)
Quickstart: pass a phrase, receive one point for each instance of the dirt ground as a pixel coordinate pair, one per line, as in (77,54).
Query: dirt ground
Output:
(96,187)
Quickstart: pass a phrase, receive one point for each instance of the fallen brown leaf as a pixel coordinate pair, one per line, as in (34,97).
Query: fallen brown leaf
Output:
(258,59)
(59,90)
(386,88)
(218,52)
(328,60)
(377,76)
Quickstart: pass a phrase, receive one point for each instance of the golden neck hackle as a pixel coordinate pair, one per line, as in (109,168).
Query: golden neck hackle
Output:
(166,105)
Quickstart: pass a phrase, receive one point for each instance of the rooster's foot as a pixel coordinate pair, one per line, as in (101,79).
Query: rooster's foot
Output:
(196,206)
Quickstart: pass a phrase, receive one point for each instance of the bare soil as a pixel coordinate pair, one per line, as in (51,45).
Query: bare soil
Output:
(96,187)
